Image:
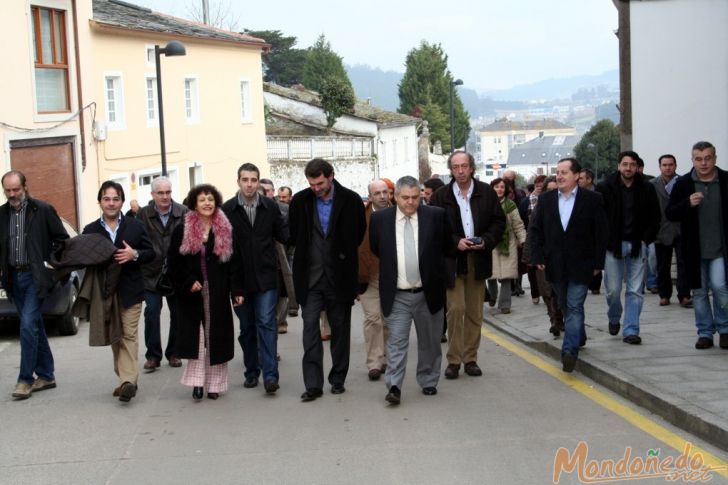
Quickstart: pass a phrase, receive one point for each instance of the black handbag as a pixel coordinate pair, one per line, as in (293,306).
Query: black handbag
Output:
(163,285)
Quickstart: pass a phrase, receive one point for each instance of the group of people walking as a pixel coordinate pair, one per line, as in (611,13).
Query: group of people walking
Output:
(406,257)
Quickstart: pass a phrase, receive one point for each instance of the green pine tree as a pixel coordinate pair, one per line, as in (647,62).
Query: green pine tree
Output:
(283,63)
(321,64)
(427,80)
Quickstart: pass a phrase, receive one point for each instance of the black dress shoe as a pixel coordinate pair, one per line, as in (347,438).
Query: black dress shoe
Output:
(554,330)
(338,389)
(568,362)
(197,393)
(213,395)
(250,382)
(429,391)
(393,396)
(614,328)
(271,386)
(632,339)
(704,343)
(311,394)
(127,391)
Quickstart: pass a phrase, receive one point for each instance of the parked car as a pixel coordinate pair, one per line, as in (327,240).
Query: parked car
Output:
(59,302)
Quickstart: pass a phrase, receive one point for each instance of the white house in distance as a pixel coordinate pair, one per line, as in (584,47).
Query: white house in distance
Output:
(678,59)
(367,144)
(539,156)
(499,137)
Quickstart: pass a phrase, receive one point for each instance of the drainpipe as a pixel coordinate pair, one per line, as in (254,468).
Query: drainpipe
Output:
(79,89)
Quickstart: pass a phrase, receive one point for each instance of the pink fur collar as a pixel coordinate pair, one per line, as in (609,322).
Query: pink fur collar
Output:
(192,240)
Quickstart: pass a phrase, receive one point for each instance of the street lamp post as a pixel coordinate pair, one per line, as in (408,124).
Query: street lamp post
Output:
(173,48)
(457,82)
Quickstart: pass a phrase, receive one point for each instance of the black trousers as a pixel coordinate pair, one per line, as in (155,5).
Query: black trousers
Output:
(596,282)
(664,276)
(322,297)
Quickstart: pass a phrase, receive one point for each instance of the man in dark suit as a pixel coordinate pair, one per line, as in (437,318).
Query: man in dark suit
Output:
(327,225)
(257,225)
(568,235)
(411,241)
(135,248)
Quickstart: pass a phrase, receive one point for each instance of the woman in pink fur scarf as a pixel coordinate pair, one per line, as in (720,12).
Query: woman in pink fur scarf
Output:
(201,264)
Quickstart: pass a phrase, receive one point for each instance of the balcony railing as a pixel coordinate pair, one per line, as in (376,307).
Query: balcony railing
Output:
(306,148)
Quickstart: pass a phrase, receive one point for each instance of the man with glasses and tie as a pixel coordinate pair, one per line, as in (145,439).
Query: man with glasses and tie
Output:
(411,241)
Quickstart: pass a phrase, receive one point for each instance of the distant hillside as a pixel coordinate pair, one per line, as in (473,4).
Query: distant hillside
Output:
(559,88)
(381,87)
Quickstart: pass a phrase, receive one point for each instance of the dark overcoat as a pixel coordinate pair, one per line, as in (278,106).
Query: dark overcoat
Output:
(131,282)
(347,226)
(489,222)
(184,270)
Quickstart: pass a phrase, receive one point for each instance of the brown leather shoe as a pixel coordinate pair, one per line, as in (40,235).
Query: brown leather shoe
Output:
(127,391)
(325,337)
(151,365)
(664,301)
(117,392)
(41,384)
(452,371)
(282,329)
(375,374)
(686,303)
(472,369)
(175,362)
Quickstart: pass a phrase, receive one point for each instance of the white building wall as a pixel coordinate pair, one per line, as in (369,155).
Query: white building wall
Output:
(397,152)
(679,78)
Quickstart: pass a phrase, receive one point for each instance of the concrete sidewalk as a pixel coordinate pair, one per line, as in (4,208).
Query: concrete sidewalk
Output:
(666,374)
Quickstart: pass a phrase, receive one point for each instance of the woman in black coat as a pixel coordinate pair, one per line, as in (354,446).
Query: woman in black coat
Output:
(201,265)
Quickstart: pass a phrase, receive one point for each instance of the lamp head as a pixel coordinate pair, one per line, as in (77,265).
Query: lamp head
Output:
(173,48)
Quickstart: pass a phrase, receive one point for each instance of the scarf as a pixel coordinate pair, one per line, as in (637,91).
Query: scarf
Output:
(194,233)
(503,246)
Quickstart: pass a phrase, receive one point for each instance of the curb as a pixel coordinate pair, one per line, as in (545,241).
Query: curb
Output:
(673,409)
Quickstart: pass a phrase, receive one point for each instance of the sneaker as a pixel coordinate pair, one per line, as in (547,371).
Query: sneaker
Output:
(41,384)
(704,343)
(632,339)
(23,390)
(614,328)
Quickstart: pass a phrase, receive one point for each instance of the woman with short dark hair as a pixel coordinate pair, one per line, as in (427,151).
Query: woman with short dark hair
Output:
(201,265)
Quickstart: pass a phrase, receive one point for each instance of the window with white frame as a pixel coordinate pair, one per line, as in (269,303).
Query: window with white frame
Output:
(113,90)
(150,56)
(150,87)
(245,111)
(394,151)
(192,103)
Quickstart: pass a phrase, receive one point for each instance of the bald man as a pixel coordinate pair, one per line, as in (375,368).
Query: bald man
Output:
(374,330)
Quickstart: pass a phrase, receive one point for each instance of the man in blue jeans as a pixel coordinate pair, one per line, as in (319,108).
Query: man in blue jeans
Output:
(698,202)
(257,225)
(567,237)
(30,230)
(633,217)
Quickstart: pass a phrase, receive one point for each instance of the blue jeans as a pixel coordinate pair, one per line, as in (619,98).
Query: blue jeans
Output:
(152,326)
(712,273)
(614,272)
(259,334)
(35,352)
(651,270)
(571,297)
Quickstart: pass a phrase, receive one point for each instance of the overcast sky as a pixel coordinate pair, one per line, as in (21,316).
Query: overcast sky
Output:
(491,44)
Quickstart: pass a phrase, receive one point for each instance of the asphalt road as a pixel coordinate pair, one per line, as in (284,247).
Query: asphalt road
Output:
(502,428)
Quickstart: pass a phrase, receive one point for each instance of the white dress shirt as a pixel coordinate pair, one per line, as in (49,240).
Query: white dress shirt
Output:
(402,282)
(566,206)
(464,203)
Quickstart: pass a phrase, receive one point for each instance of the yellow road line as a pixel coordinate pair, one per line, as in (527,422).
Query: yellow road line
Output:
(633,417)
